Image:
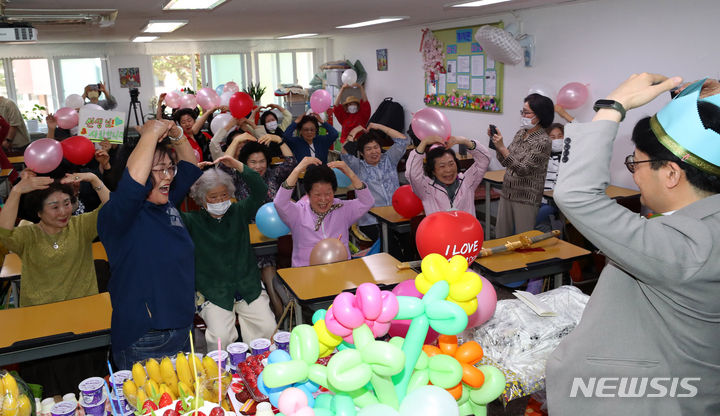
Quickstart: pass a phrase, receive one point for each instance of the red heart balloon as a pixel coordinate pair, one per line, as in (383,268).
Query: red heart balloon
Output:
(78,150)
(450,233)
(240,104)
(406,203)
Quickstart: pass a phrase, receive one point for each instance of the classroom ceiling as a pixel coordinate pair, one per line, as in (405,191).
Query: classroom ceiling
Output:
(246,19)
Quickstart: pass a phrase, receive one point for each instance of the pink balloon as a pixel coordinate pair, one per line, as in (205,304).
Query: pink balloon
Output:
(220,121)
(334,326)
(369,300)
(320,101)
(345,311)
(572,95)
(44,155)
(291,400)
(208,98)
(225,98)
(407,288)
(231,87)
(487,301)
(390,307)
(430,122)
(379,328)
(172,99)
(66,117)
(188,101)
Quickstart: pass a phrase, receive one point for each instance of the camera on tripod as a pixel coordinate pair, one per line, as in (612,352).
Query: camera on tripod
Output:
(134,94)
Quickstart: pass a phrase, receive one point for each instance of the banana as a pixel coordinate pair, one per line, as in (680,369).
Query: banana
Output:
(130,391)
(11,387)
(184,390)
(24,406)
(10,406)
(153,370)
(138,375)
(165,389)
(141,397)
(206,394)
(183,369)
(211,368)
(152,389)
(167,372)
(2,391)
(198,366)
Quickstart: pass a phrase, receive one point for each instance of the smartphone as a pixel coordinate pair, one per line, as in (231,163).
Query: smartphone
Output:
(93,87)
(493,132)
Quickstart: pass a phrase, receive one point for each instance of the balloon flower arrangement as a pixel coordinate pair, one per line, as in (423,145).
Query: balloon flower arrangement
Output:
(401,377)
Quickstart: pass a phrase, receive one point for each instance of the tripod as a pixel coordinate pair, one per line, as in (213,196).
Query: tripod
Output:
(133,109)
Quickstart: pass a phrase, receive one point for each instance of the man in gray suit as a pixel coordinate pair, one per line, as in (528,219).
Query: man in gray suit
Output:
(649,339)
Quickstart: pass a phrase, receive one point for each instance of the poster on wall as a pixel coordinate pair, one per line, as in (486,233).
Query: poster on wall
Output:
(382,63)
(129,77)
(98,125)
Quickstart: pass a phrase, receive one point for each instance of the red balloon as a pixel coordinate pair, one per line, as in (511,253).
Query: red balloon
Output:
(406,203)
(78,150)
(240,104)
(450,233)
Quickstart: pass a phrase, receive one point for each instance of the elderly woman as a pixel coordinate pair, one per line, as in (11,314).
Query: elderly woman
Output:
(319,215)
(526,161)
(191,125)
(56,253)
(310,143)
(150,251)
(230,285)
(353,112)
(439,183)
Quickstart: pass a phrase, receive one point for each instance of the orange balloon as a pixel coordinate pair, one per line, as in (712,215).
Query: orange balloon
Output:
(470,353)
(448,344)
(456,391)
(472,376)
(431,350)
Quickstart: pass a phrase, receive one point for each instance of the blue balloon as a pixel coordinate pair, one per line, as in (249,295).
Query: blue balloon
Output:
(515,284)
(219,89)
(269,222)
(342,179)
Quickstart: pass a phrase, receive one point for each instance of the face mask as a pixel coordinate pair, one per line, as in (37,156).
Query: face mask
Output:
(218,209)
(93,94)
(271,125)
(527,123)
(557,146)
(352,108)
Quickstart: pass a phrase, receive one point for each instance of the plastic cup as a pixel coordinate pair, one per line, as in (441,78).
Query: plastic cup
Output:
(282,340)
(238,352)
(91,391)
(122,405)
(70,397)
(97,409)
(63,409)
(223,358)
(46,406)
(259,346)
(118,379)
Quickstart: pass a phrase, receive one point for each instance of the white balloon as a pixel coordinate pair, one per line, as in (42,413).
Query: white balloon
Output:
(429,401)
(225,98)
(220,121)
(91,106)
(542,89)
(74,101)
(377,409)
(349,77)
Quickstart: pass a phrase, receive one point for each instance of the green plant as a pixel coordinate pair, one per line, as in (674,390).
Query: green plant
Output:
(255,91)
(35,113)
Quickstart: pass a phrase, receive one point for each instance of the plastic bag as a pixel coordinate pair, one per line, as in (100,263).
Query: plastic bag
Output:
(16,399)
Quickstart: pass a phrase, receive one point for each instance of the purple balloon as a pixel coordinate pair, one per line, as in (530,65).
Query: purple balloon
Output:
(430,122)
(320,101)
(66,117)
(43,155)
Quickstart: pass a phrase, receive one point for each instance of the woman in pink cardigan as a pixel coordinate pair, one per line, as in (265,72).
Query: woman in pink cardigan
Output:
(438,184)
(319,215)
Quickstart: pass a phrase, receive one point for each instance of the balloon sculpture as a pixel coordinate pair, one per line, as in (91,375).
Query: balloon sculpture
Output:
(388,378)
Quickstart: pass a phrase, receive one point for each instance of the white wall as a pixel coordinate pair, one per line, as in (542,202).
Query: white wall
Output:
(598,42)
(122,95)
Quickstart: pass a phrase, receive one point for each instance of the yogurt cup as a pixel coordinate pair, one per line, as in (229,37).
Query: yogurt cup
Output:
(122,405)
(63,409)
(97,409)
(238,352)
(91,391)
(118,379)
(223,358)
(282,340)
(259,346)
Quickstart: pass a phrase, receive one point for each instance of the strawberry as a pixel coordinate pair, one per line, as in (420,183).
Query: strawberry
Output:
(148,407)
(165,400)
(217,411)
(171,412)
(179,407)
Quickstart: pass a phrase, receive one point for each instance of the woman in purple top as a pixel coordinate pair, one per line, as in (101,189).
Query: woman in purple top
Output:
(319,215)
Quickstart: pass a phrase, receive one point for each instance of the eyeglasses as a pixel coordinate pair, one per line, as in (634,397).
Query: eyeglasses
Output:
(525,112)
(630,162)
(169,171)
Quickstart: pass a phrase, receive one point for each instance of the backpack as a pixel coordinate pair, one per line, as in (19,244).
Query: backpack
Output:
(390,113)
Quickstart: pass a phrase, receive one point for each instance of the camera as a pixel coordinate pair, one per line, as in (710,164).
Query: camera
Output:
(134,94)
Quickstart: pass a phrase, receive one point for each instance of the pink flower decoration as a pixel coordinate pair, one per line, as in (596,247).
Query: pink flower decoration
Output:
(369,306)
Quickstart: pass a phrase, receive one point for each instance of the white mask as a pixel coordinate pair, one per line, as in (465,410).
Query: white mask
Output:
(271,125)
(352,108)
(219,208)
(526,122)
(557,145)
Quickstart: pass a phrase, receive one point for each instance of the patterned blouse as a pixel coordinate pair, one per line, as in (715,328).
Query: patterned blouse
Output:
(274,177)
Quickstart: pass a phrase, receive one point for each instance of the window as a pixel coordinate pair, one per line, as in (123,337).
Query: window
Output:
(174,72)
(3,84)
(32,84)
(304,68)
(75,74)
(227,67)
(276,68)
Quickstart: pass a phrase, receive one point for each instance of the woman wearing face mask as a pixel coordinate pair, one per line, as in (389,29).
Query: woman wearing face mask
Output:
(92,94)
(353,112)
(269,125)
(310,143)
(439,183)
(526,161)
(150,251)
(319,215)
(230,285)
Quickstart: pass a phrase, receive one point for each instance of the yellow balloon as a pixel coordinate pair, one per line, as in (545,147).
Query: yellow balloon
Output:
(422,284)
(466,288)
(326,338)
(469,307)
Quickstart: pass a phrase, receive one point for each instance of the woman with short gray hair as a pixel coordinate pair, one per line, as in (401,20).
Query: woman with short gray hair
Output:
(229,284)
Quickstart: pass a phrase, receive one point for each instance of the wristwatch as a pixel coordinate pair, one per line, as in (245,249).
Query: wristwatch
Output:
(175,139)
(611,104)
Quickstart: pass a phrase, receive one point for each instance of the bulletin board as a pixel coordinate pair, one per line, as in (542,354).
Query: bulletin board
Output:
(472,81)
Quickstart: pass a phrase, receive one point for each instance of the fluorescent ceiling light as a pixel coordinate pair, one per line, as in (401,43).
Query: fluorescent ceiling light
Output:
(192,4)
(164,26)
(299,35)
(478,3)
(372,22)
(144,38)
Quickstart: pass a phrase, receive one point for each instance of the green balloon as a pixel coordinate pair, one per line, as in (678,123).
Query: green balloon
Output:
(363,397)
(362,336)
(324,401)
(344,405)
(422,361)
(284,373)
(385,359)
(317,373)
(445,371)
(446,317)
(323,412)
(418,379)
(491,389)
(409,307)
(346,371)
(304,344)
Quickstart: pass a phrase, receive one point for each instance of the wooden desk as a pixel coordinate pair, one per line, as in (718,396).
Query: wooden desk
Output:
(56,328)
(514,266)
(10,280)
(4,173)
(491,178)
(389,218)
(324,282)
(261,244)
(614,192)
